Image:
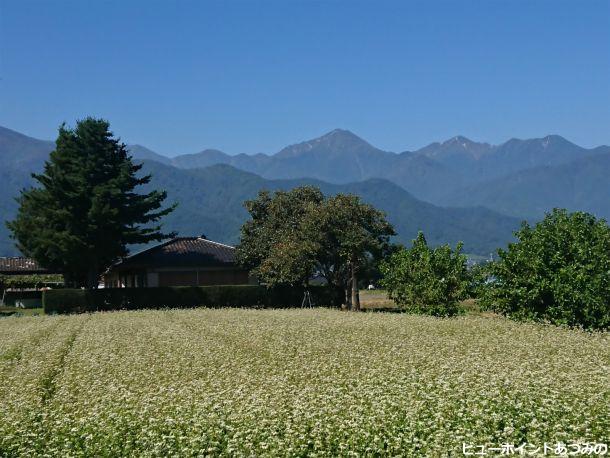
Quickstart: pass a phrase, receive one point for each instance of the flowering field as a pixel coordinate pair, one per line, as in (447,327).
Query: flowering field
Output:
(294,383)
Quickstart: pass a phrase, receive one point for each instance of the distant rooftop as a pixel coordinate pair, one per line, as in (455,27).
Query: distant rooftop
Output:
(18,265)
(183,251)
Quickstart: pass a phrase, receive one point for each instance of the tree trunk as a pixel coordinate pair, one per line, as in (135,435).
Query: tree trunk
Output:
(355,292)
(92,276)
(348,294)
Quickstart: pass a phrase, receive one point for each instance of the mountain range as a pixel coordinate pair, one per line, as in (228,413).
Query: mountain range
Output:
(453,190)
(441,173)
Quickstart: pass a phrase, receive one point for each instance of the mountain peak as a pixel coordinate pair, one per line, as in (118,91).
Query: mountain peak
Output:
(460,140)
(458,145)
(554,140)
(550,141)
(340,132)
(337,141)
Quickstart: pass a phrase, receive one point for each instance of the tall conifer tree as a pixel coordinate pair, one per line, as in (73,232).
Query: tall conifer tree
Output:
(86,211)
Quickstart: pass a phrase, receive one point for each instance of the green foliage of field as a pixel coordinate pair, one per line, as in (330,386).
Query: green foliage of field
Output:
(293,383)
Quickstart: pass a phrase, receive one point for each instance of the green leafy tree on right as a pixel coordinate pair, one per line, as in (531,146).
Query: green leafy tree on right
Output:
(426,280)
(557,272)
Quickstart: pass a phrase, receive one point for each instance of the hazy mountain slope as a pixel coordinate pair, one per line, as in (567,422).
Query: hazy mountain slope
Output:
(336,157)
(20,155)
(519,177)
(19,150)
(455,150)
(11,181)
(141,152)
(583,184)
(430,173)
(256,163)
(423,177)
(515,155)
(211,201)
(478,162)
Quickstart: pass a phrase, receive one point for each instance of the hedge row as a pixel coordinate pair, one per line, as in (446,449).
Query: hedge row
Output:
(31,281)
(12,297)
(241,296)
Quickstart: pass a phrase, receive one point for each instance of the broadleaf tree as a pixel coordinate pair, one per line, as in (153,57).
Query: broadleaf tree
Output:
(293,235)
(274,244)
(350,234)
(557,271)
(86,211)
(427,280)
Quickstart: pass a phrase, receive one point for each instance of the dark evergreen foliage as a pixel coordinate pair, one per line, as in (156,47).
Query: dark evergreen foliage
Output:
(86,211)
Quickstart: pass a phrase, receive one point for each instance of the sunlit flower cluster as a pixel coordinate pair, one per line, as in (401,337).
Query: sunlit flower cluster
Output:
(294,383)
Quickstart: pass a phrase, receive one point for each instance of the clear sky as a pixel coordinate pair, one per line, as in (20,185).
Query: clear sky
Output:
(254,76)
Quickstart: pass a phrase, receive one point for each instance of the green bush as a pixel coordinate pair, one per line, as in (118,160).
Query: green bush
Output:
(31,281)
(426,280)
(558,271)
(478,278)
(240,296)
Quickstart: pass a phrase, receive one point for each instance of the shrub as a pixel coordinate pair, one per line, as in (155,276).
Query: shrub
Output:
(478,278)
(31,281)
(426,280)
(558,271)
(34,281)
(241,296)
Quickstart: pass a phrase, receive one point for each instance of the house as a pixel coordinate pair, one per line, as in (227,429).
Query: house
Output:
(20,266)
(182,261)
(17,288)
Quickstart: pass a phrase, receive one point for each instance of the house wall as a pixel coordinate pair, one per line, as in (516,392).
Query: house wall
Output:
(203,277)
(177,276)
(152,279)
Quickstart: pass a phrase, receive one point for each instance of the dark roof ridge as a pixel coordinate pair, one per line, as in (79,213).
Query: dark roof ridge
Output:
(159,245)
(178,242)
(215,243)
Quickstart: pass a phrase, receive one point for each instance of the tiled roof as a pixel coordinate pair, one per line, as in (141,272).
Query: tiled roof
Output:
(19,265)
(183,251)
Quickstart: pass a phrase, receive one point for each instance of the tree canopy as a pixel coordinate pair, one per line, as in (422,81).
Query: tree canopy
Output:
(86,211)
(557,271)
(426,280)
(294,235)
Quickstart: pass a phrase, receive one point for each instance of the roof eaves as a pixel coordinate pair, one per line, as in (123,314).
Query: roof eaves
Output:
(218,243)
(145,250)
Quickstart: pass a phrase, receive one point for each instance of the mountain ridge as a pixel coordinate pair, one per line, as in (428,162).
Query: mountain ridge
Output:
(211,201)
(222,189)
(521,178)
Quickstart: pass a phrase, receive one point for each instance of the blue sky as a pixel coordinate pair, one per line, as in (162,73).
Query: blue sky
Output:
(254,76)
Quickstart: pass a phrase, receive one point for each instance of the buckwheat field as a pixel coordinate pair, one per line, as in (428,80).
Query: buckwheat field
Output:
(294,383)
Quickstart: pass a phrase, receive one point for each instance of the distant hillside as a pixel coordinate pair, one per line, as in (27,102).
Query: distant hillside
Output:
(20,151)
(431,173)
(211,200)
(143,153)
(482,161)
(12,179)
(521,178)
(583,184)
